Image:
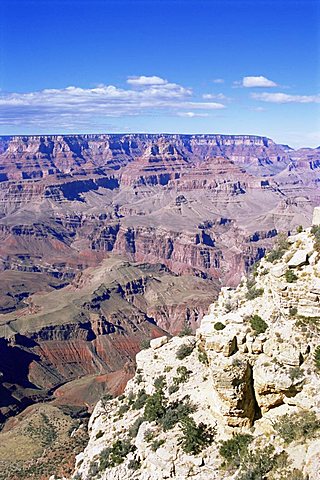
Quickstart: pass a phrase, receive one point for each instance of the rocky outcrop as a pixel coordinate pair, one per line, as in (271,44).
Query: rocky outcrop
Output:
(251,373)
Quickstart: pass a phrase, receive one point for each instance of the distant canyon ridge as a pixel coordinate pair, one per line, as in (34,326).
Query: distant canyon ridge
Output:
(109,239)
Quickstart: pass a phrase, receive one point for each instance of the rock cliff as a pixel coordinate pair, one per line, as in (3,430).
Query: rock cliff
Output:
(239,400)
(208,205)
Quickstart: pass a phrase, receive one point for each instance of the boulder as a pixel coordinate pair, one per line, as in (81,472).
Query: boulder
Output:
(278,270)
(158,342)
(299,258)
(316,216)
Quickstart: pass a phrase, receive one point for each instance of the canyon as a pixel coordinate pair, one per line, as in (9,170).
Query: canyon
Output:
(239,400)
(110,240)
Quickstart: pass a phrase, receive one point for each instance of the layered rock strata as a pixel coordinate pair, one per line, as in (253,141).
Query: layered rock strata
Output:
(251,370)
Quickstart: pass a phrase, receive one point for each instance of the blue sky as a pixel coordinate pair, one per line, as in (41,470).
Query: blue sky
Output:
(190,66)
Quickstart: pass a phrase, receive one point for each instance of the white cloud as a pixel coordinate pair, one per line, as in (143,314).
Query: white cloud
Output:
(259,81)
(143,80)
(192,114)
(218,80)
(212,96)
(74,105)
(285,98)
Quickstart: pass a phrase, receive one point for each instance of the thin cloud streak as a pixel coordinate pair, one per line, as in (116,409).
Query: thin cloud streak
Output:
(282,98)
(148,96)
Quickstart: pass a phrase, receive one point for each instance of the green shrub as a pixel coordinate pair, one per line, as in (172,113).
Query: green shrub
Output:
(160,382)
(258,324)
(299,229)
(293,311)
(99,434)
(145,344)
(155,406)
(234,449)
(280,248)
(139,378)
(110,457)
(134,464)
(219,326)
(256,465)
(140,399)
(149,435)
(317,357)
(186,331)
(173,388)
(175,413)
(123,409)
(253,293)
(183,373)
(203,357)
(295,373)
(133,430)
(291,276)
(195,437)
(156,444)
(184,351)
(297,426)
(315,230)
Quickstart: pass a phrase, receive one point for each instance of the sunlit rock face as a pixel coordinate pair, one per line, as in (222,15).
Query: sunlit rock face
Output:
(206,205)
(252,369)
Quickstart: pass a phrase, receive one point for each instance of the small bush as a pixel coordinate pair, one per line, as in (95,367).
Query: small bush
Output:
(110,457)
(123,409)
(257,464)
(140,400)
(133,430)
(258,324)
(173,388)
(175,413)
(183,373)
(219,326)
(299,229)
(280,248)
(134,464)
(139,378)
(155,407)
(253,293)
(291,276)
(157,444)
(184,351)
(145,344)
(317,357)
(297,426)
(186,331)
(99,434)
(315,230)
(295,373)
(293,311)
(203,358)
(148,435)
(195,437)
(234,449)
(160,382)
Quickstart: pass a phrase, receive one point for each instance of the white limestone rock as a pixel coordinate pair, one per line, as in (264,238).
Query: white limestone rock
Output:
(316,216)
(158,342)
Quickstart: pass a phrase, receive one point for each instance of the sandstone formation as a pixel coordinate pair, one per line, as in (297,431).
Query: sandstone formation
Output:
(90,328)
(251,375)
(208,205)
